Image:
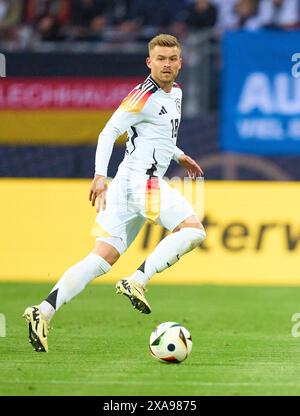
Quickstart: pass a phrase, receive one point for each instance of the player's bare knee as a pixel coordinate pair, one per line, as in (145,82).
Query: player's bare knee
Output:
(107,251)
(190,222)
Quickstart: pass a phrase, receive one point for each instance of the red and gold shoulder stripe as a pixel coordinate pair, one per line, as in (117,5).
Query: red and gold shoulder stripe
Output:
(137,98)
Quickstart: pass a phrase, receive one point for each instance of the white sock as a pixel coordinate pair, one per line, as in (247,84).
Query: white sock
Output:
(168,252)
(73,282)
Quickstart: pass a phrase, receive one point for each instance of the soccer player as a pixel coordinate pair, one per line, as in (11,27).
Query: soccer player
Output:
(151,116)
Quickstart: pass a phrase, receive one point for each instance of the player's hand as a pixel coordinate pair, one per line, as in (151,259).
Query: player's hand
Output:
(192,167)
(98,192)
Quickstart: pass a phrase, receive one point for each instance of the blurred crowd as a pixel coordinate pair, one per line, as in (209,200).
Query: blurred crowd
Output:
(27,21)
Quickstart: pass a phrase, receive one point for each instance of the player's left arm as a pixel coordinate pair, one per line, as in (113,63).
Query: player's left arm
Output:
(177,153)
(185,161)
(192,167)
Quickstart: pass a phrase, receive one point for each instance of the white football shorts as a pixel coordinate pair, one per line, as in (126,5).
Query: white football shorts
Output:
(131,201)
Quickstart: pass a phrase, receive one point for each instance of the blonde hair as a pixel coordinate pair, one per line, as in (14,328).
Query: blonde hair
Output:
(163,40)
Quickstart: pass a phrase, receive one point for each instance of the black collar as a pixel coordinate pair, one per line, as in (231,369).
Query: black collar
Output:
(154,82)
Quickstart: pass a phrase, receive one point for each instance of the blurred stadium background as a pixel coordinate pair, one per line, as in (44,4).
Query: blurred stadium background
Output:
(69,63)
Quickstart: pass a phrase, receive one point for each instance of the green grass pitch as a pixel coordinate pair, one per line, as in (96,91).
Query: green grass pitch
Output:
(242,343)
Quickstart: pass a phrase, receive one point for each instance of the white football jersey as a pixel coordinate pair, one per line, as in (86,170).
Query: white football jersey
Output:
(151,118)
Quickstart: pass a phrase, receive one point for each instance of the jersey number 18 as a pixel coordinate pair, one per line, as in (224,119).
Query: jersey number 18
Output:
(175,124)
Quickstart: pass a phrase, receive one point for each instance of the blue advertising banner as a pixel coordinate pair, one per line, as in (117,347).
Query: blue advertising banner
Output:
(261,92)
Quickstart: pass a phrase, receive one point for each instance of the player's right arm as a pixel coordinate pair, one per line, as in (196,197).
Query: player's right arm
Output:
(98,192)
(128,114)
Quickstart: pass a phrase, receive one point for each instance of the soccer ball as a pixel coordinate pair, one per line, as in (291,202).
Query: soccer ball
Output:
(170,342)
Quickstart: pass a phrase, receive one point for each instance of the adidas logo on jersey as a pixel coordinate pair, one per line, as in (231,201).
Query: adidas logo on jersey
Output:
(163,111)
